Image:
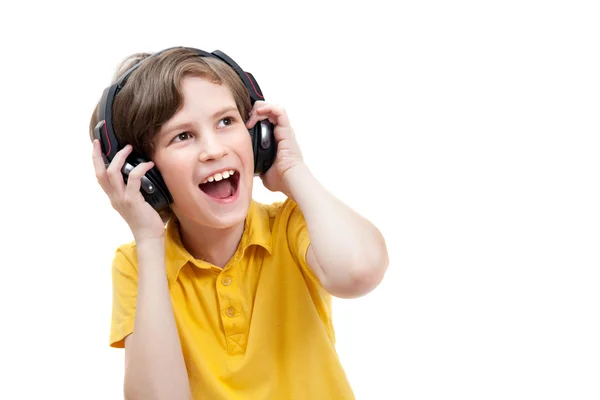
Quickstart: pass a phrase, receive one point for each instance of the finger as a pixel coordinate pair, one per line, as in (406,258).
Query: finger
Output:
(277,115)
(258,104)
(134,181)
(256,117)
(113,171)
(252,116)
(99,167)
(253,120)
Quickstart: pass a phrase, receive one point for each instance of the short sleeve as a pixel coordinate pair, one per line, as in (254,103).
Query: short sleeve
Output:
(299,240)
(124,281)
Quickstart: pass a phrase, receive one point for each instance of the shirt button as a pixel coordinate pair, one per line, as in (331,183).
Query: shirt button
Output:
(226,281)
(230,312)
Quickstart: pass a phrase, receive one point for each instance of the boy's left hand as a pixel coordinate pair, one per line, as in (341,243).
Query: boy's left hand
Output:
(288,150)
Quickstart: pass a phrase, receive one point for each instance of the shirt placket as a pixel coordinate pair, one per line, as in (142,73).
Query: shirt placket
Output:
(232,313)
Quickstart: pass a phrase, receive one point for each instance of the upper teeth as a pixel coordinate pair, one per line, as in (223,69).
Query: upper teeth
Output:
(218,176)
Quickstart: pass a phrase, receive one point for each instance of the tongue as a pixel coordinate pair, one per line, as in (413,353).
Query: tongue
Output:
(219,190)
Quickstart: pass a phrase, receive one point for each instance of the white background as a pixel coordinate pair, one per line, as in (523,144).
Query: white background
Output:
(467,131)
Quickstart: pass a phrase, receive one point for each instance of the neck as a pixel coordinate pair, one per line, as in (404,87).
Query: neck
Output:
(215,246)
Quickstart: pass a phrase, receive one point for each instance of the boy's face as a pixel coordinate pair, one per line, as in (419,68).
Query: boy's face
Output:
(197,149)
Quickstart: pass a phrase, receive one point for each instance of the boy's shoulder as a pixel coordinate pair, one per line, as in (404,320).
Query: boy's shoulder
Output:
(273,209)
(279,213)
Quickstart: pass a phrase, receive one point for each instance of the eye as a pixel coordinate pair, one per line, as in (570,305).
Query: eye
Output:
(227,121)
(181,137)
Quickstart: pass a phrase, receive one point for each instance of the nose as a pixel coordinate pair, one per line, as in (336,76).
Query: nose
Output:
(211,148)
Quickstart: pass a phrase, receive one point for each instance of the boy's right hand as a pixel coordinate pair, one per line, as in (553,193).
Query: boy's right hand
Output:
(143,220)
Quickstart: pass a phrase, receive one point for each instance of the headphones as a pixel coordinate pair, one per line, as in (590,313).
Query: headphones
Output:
(153,187)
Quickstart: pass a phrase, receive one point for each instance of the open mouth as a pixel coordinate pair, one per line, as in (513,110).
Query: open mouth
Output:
(221,186)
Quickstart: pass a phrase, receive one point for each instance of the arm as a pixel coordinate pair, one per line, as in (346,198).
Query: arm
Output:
(347,253)
(154,364)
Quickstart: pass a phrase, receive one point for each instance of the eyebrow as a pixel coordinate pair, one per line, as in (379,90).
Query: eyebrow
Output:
(224,111)
(183,125)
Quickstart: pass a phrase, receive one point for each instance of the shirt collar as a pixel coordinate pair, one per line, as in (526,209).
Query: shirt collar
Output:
(257,231)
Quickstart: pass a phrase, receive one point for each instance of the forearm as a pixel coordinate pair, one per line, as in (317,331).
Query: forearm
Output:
(349,249)
(155,366)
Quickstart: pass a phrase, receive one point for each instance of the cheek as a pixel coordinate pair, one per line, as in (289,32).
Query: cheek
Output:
(174,173)
(244,150)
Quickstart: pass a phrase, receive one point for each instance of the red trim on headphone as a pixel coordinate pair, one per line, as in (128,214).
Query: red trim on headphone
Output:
(252,83)
(107,140)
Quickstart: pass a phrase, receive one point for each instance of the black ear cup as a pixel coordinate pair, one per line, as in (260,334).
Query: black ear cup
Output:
(263,145)
(153,186)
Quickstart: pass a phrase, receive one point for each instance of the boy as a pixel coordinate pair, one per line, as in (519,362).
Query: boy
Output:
(232,299)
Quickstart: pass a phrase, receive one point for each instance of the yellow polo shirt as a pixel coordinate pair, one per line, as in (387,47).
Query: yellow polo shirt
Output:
(260,328)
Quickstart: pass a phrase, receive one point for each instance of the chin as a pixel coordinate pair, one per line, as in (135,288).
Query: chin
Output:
(221,212)
(230,217)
